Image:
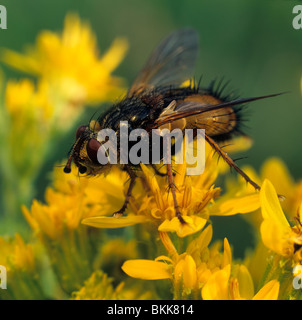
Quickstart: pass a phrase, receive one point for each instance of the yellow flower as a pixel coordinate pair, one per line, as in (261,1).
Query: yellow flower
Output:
(73,199)
(221,286)
(70,63)
(190,197)
(27,129)
(16,255)
(22,277)
(188,271)
(276,171)
(70,74)
(70,245)
(158,205)
(98,287)
(113,254)
(196,196)
(239,197)
(22,97)
(276,232)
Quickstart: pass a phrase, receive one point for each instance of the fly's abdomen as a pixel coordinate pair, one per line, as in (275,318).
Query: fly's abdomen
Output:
(219,123)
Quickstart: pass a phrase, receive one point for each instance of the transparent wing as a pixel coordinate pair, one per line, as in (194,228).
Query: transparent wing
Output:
(185,109)
(171,63)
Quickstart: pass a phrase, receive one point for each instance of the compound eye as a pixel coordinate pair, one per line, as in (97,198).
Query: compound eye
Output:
(80,131)
(92,150)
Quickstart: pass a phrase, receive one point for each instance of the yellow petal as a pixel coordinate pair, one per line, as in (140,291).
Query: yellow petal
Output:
(246,284)
(243,204)
(201,242)
(115,54)
(193,224)
(276,171)
(227,254)
(270,205)
(180,176)
(19,61)
(152,183)
(239,144)
(31,221)
(189,273)
(112,222)
(203,274)
(146,269)
(179,270)
(217,286)
(269,292)
(165,239)
(205,238)
(274,236)
(187,193)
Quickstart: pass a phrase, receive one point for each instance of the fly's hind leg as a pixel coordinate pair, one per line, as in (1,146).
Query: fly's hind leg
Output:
(172,188)
(171,183)
(230,162)
(132,176)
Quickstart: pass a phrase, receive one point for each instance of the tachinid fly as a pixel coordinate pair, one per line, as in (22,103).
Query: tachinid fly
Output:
(157,99)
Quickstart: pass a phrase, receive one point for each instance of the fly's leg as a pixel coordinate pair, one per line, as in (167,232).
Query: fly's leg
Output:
(132,176)
(167,161)
(172,188)
(231,162)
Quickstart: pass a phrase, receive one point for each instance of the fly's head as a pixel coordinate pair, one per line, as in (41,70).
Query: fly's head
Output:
(84,152)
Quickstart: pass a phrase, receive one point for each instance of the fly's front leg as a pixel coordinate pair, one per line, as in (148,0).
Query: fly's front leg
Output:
(132,176)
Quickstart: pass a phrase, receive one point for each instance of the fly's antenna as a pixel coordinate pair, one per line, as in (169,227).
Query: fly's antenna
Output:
(67,168)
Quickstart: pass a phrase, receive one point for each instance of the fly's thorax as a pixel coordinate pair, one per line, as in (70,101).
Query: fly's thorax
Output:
(135,110)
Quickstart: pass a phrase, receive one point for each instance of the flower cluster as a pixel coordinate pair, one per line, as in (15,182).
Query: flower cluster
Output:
(200,267)
(35,114)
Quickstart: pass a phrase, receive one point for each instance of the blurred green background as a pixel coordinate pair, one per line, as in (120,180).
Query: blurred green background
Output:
(250,42)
